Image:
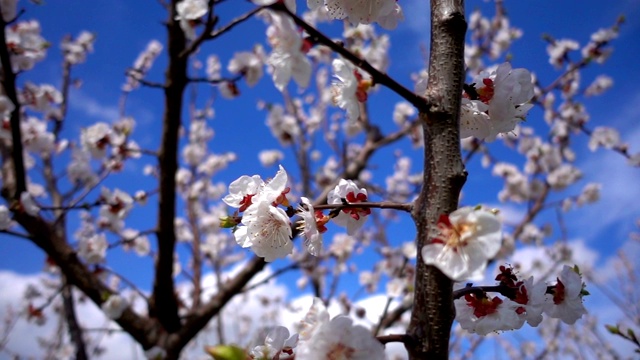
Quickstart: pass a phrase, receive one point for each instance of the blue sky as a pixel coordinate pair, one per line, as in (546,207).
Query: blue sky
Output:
(124,28)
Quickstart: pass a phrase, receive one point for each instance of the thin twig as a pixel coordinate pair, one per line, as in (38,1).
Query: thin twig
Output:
(378,77)
(401,338)
(406,207)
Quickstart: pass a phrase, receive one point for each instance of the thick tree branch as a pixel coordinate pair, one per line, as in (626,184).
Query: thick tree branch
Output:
(200,317)
(75,332)
(164,304)
(17,183)
(444,176)
(78,275)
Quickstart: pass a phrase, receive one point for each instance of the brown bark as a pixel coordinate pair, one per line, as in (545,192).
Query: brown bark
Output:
(75,331)
(444,176)
(164,304)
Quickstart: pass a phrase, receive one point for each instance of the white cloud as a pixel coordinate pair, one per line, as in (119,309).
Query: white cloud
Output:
(618,203)
(93,108)
(98,110)
(545,263)
(23,337)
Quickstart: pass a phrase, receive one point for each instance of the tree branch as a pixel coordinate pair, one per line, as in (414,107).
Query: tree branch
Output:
(209,24)
(367,205)
(379,77)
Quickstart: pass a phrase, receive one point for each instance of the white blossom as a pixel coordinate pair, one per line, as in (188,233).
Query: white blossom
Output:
(340,339)
(533,298)
(35,136)
(247,190)
(5,218)
(283,126)
(270,157)
(96,138)
(563,176)
(248,64)
(286,59)
(278,344)
(402,112)
(506,92)
(464,242)
(75,50)
(191,9)
(352,218)
(114,306)
(344,90)
(142,65)
(474,120)
(566,301)
(590,194)
(603,136)
(266,230)
(485,315)
(309,227)
(28,204)
(558,50)
(601,84)
(93,249)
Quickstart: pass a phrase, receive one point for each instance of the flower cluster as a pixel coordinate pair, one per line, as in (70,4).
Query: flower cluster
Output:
(142,65)
(524,301)
(320,338)
(266,228)
(337,338)
(387,13)
(75,50)
(26,44)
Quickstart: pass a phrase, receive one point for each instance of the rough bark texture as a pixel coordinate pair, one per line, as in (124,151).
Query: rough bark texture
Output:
(444,175)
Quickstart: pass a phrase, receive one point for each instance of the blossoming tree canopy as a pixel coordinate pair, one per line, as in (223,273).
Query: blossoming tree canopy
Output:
(346,208)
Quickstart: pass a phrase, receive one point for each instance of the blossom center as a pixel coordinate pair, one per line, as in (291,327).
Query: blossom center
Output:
(356,212)
(246,202)
(559,293)
(485,94)
(482,306)
(340,352)
(453,235)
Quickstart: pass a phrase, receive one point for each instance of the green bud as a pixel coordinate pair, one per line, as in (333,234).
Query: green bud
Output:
(228,222)
(226,352)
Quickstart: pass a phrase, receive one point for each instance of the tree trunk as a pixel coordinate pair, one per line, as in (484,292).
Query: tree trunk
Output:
(444,176)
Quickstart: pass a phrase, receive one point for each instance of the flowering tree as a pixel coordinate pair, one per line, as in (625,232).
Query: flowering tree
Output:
(459,109)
